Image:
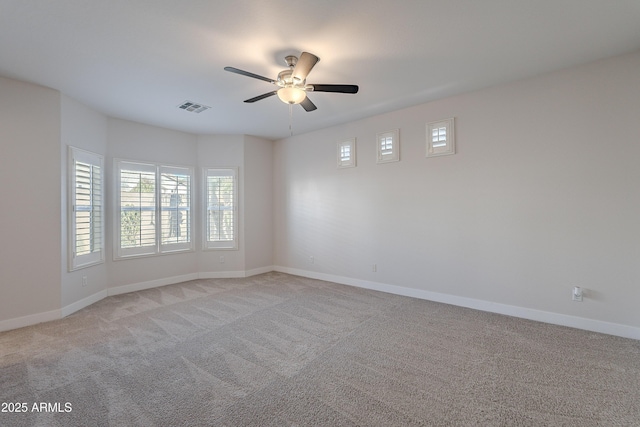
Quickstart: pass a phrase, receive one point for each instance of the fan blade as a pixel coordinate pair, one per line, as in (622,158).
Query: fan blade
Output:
(248,74)
(263,96)
(308,105)
(304,65)
(336,88)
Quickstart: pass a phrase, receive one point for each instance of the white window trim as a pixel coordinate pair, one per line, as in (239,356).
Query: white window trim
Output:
(449,147)
(351,162)
(158,248)
(208,245)
(97,256)
(394,154)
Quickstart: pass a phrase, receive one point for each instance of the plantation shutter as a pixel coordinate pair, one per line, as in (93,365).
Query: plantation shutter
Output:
(137,202)
(86,243)
(439,137)
(175,196)
(221,225)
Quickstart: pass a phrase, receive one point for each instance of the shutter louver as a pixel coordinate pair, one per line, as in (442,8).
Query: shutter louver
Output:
(221,221)
(86,226)
(137,209)
(175,193)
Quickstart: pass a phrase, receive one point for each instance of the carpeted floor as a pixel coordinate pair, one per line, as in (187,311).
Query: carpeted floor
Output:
(281,350)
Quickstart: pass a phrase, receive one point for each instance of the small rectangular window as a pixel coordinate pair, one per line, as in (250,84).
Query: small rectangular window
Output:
(440,138)
(388,146)
(86,209)
(221,218)
(347,153)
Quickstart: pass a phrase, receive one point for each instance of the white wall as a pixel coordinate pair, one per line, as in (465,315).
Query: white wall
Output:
(258,203)
(30,203)
(223,151)
(37,126)
(134,141)
(541,196)
(84,128)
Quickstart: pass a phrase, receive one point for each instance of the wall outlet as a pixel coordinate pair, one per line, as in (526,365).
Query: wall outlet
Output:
(374,267)
(84,281)
(311,260)
(221,259)
(577,294)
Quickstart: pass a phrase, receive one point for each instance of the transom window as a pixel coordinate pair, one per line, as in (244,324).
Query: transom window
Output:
(440,138)
(388,146)
(347,153)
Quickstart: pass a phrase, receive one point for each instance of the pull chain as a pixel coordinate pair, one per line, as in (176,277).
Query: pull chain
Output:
(291,119)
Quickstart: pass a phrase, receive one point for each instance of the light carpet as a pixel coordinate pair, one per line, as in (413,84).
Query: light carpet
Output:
(282,350)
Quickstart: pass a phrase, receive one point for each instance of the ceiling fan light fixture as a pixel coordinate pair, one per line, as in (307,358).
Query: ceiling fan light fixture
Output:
(291,95)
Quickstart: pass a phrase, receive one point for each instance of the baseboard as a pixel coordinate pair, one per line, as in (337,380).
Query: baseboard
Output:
(234,274)
(85,302)
(32,319)
(133,287)
(221,274)
(592,325)
(617,329)
(256,271)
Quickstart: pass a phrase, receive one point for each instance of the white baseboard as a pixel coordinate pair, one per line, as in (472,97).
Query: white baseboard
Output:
(133,287)
(221,274)
(234,274)
(509,310)
(592,325)
(256,271)
(32,319)
(85,302)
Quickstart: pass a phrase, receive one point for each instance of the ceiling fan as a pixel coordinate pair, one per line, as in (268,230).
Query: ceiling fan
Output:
(292,82)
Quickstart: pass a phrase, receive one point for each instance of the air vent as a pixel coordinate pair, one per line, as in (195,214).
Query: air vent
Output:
(193,107)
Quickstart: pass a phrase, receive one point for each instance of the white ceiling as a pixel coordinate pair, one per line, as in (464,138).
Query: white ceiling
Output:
(140,59)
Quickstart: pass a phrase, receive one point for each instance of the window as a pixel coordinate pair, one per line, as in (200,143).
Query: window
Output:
(389,146)
(440,140)
(154,204)
(221,219)
(347,153)
(86,226)
(175,207)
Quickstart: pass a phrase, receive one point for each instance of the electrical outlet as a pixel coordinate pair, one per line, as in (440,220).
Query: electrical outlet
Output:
(577,293)
(84,281)
(374,268)
(221,259)
(312,260)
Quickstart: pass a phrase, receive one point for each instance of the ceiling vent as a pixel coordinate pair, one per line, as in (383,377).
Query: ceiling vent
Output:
(193,107)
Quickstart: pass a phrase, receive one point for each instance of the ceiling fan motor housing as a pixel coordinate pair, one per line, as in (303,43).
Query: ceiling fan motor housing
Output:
(285,79)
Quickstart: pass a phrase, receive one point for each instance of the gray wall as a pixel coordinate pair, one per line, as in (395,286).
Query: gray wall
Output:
(541,196)
(30,217)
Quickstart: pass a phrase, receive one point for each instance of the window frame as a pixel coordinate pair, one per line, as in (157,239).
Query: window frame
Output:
(158,247)
(393,155)
(449,146)
(96,254)
(351,161)
(211,245)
